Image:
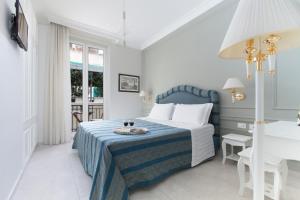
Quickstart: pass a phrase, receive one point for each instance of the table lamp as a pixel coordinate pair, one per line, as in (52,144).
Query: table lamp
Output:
(146,96)
(234,86)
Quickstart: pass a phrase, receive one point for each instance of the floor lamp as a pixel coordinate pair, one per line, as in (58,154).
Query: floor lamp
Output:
(259,29)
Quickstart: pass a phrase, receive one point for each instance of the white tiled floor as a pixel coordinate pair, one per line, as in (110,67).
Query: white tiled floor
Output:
(55,173)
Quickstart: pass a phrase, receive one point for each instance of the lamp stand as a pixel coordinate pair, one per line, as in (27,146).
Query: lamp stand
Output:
(258,136)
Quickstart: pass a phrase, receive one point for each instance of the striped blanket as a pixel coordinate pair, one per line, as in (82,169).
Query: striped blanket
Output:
(119,163)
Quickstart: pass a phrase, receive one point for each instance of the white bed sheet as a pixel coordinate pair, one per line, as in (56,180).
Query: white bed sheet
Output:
(202,138)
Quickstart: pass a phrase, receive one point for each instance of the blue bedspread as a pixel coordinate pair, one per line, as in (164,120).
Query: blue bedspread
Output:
(119,163)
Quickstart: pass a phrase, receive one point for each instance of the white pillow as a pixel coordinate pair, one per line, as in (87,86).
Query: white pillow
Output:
(192,113)
(162,111)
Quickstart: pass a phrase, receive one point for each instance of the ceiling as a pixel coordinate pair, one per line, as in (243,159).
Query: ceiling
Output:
(147,20)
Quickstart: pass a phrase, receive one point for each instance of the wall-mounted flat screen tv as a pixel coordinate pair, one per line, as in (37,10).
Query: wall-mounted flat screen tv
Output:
(19,31)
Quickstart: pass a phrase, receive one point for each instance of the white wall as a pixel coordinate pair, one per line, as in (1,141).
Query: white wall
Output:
(17,101)
(124,104)
(117,60)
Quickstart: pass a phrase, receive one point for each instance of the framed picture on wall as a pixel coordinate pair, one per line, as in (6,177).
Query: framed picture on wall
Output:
(129,83)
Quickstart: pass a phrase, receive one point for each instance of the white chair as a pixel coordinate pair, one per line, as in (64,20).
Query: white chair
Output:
(276,166)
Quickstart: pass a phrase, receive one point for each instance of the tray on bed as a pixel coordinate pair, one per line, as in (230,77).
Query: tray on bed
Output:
(131,131)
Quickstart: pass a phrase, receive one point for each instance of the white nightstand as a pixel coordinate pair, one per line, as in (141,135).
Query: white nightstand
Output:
(234,140)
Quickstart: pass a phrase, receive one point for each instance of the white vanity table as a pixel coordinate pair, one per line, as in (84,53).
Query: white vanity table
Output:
(282,139)
(281,143)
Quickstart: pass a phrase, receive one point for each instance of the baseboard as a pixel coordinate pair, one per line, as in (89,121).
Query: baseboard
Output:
(12,191)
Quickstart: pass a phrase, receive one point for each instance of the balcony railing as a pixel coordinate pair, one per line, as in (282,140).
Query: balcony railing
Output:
(95,113)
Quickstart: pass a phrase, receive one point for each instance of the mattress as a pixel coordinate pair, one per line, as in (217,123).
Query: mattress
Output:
(202,138)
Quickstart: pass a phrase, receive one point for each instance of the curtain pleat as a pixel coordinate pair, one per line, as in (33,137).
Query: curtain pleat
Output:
(56,118)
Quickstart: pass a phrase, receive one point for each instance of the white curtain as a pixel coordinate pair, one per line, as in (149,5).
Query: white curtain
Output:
(56,88)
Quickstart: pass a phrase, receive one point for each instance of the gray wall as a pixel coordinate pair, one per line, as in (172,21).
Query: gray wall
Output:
(189,56)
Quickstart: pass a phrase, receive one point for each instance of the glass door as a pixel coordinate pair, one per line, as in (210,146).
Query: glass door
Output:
(76,65)
(87,67)
(95,83)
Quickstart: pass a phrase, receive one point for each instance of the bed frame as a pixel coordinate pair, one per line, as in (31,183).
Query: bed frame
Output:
(187,94)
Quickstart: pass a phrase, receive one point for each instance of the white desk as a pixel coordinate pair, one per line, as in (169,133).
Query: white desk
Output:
(282,139)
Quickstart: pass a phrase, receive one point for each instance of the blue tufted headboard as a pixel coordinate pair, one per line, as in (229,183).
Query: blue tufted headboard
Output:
(186,94)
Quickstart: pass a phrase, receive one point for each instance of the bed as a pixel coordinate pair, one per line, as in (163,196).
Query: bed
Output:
(119,163)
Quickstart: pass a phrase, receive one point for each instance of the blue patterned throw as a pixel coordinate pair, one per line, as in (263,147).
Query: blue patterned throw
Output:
(119,163)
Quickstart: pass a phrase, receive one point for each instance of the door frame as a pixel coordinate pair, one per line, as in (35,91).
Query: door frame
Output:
(106,81)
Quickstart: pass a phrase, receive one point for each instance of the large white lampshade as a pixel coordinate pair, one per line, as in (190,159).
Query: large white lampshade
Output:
(257,19)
